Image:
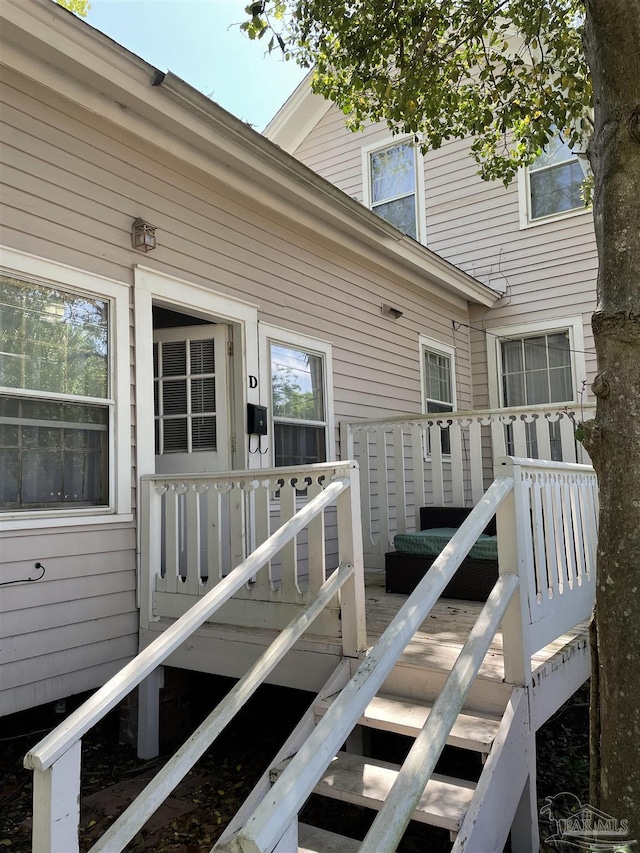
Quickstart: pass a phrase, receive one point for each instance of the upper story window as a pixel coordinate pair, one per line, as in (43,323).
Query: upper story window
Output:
(56,399)
(554,182)
(299,406)
(392,189)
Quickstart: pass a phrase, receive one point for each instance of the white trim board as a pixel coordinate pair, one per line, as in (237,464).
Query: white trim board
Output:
(179,295)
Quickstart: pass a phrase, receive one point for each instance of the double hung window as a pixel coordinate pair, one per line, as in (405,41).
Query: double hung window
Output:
(554,181)
(438,381)
(537,370)
(393,191)
(299,409)
(297,369)
(56,398)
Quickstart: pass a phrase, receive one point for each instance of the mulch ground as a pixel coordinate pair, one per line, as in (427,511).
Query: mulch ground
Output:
(194,816)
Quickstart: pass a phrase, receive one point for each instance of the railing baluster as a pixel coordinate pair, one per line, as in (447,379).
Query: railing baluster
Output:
(398,467)
(192,537)
(498,439)
(383,492)
(519,438)
(316,543)
(237,527)
(457,465)
(417,456)
(437,479)
(567,528)
(262,587)
(289,590)
(475,460)
(365,489)
(172,540)
(543,439)
(214,536)
(567,438)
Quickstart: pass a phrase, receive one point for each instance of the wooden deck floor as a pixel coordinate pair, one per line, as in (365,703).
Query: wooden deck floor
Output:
(443,633)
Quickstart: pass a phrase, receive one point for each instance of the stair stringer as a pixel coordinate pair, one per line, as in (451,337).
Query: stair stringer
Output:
(338,679)
(506,788)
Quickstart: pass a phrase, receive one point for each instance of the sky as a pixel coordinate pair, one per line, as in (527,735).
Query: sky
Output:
(197,40)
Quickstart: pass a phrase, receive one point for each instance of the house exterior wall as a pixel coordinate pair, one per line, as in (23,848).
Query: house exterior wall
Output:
(73,184)
(546,271)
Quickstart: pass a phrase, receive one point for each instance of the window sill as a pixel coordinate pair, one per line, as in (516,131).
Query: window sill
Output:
(30,521)
(555,217)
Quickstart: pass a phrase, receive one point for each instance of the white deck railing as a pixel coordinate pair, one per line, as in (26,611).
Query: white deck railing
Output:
(407,462)
(56,759)
(198,527)
(529,510)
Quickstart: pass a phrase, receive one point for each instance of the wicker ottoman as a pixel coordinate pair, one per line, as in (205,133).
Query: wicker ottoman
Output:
(473,581)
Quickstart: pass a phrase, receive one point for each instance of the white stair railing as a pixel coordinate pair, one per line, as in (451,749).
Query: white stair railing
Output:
(511,604)
(276,814)
(56,759)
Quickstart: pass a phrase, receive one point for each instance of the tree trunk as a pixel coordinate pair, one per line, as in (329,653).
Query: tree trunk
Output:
(612,44)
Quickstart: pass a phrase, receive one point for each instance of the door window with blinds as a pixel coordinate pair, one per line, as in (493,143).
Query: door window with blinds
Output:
(189,389)
(56,400)
(299,405)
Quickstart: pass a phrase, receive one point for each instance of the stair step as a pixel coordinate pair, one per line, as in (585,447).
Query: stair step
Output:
(367,781)
(312,839)
(475,731)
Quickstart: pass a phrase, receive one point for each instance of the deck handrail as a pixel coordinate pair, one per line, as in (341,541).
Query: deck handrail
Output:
(391,821)
(272,817)
(64,736)
(586,409)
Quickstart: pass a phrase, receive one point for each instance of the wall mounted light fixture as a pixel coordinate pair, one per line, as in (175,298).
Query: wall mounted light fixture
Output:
(391,312)
(143,235)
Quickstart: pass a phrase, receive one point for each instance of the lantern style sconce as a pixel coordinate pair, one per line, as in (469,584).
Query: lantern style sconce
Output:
(143,235)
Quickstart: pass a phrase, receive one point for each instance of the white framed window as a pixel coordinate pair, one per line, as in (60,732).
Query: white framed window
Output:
(536,364)
(64,442)
(393,184)
(550,188)
(438,382)
(297,371)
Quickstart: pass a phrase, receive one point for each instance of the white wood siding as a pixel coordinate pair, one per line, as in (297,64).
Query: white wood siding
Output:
(546,271)
(75,627)
(72,185)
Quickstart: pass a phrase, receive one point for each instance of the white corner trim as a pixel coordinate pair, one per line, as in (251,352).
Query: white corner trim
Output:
(574,325)
(278,334)
(390,142)
(77,280)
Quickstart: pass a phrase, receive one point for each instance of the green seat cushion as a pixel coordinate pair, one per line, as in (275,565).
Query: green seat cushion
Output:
(429,543)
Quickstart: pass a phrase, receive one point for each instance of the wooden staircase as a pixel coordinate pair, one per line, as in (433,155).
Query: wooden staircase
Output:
(365,781)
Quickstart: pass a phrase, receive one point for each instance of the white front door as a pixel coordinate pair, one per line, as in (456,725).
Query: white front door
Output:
(191,399)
